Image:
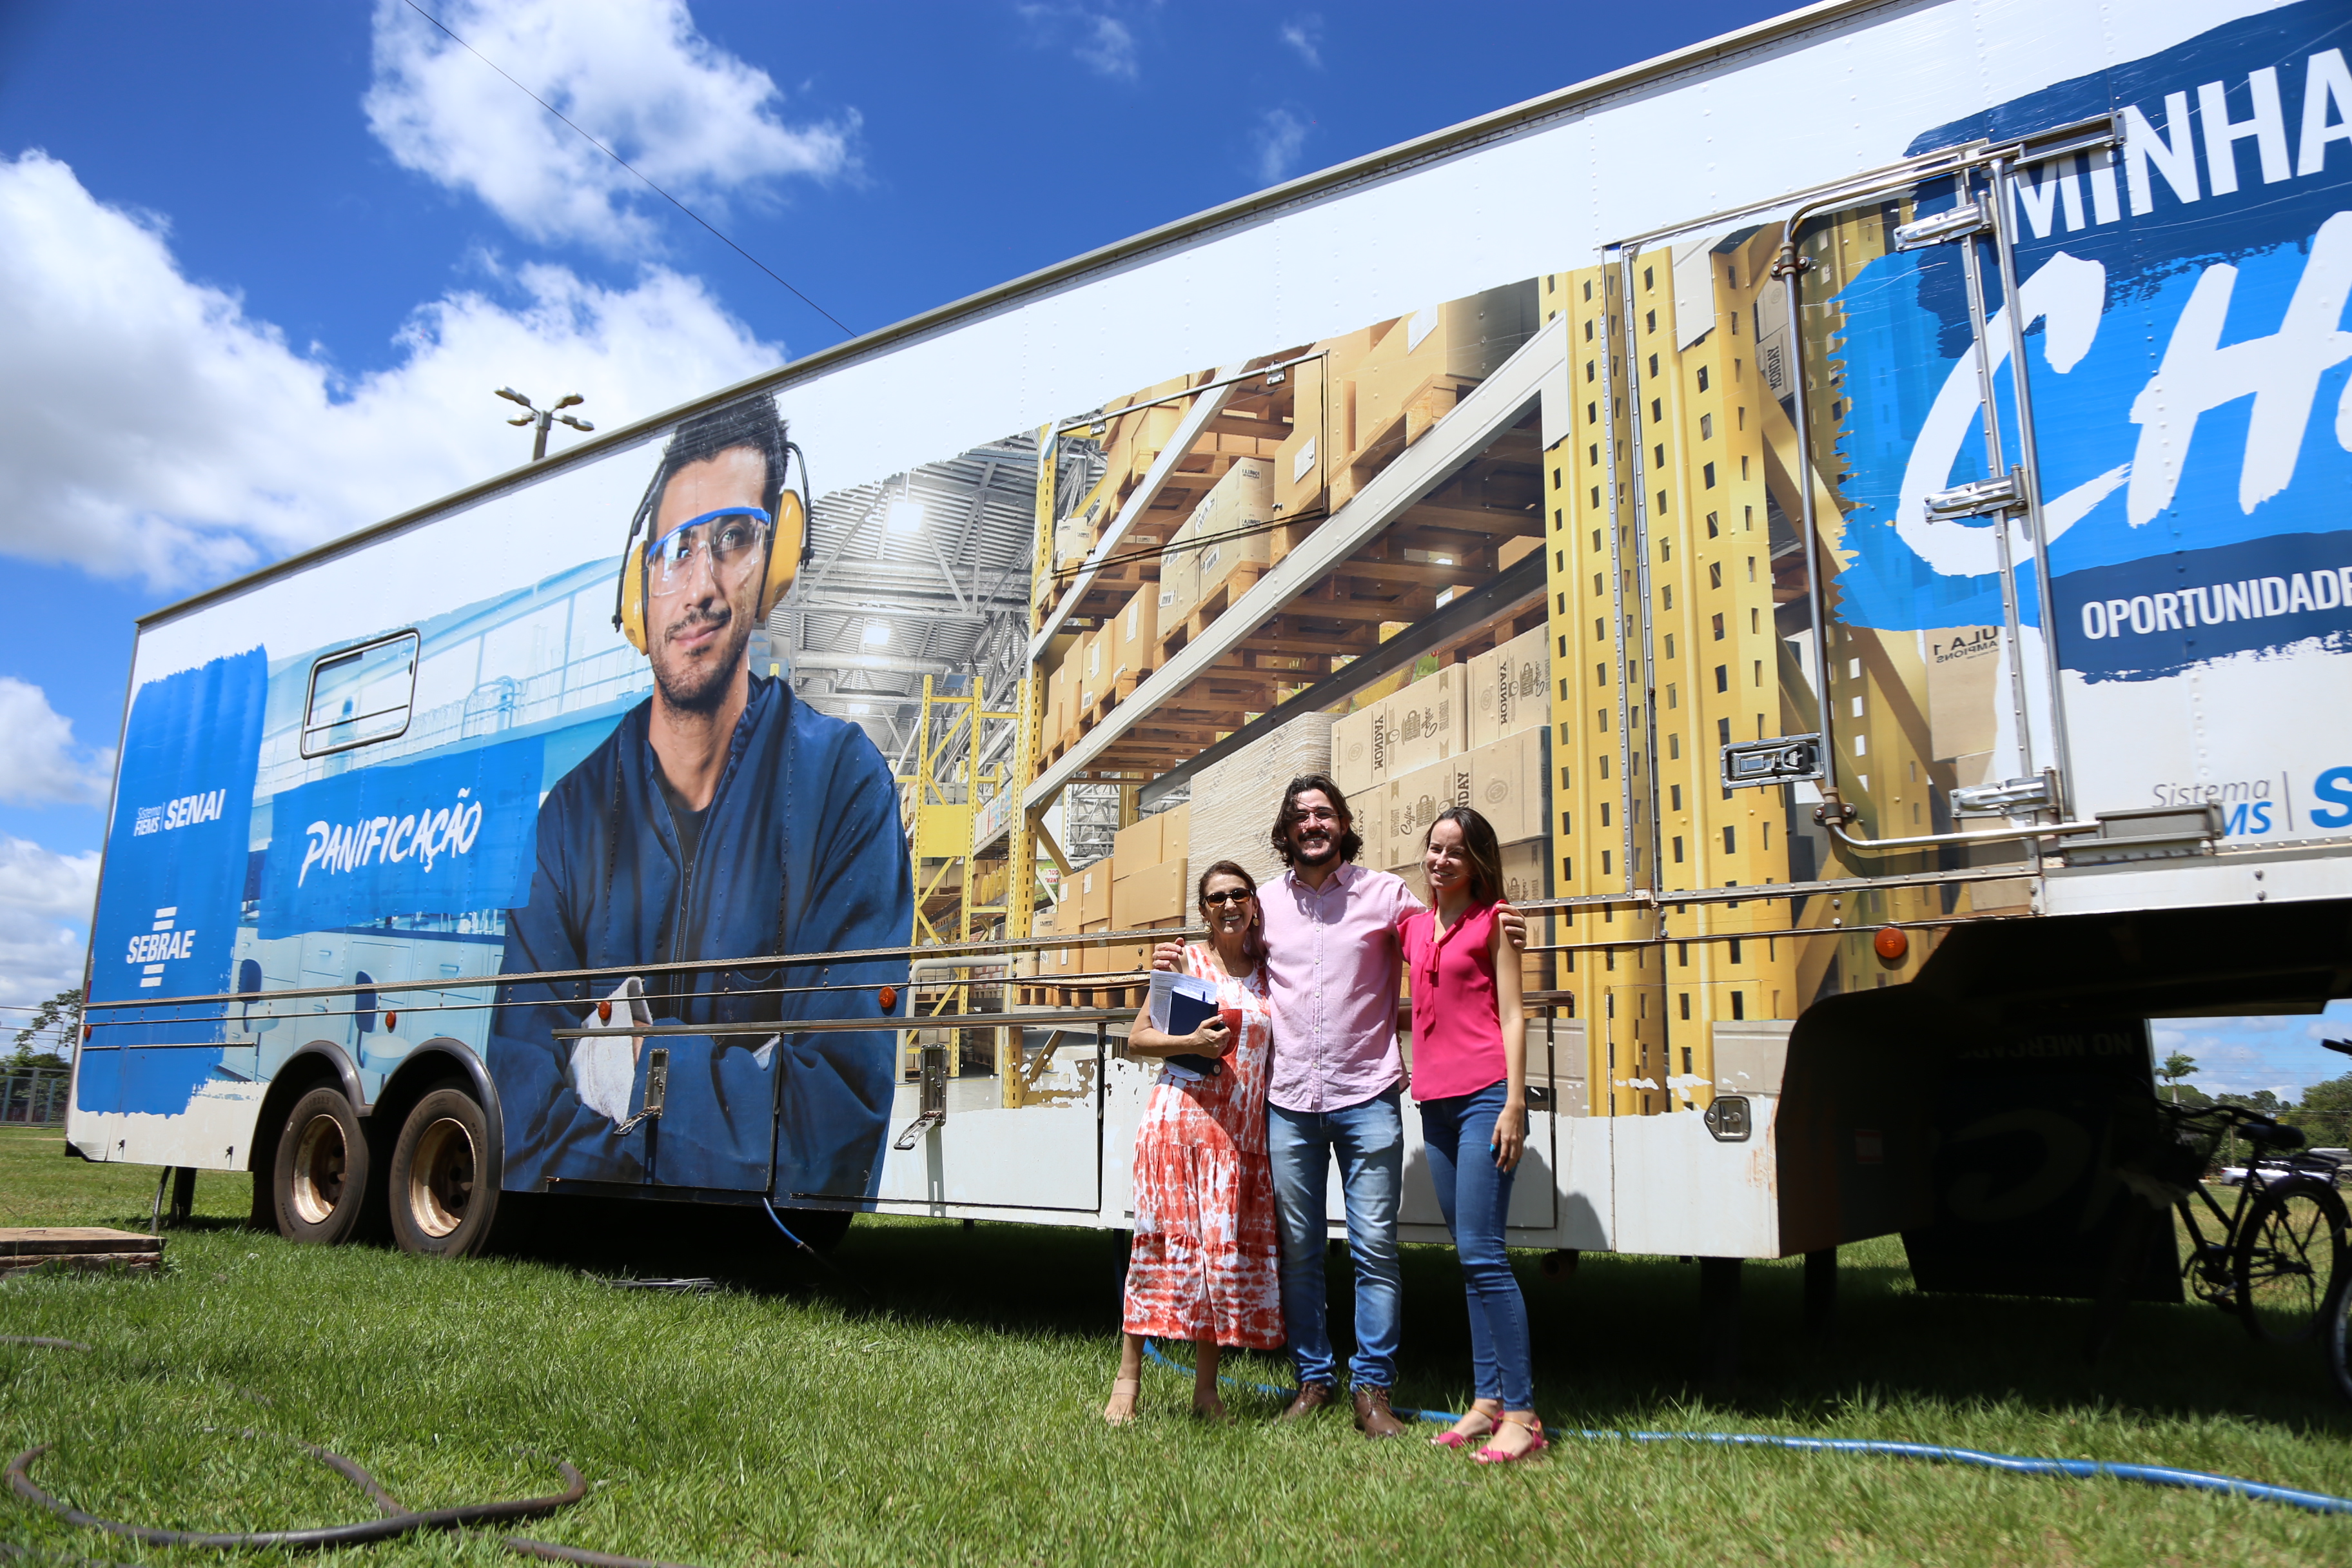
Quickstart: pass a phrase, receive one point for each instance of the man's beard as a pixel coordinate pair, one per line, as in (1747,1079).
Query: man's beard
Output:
(701,687)
(1315,854)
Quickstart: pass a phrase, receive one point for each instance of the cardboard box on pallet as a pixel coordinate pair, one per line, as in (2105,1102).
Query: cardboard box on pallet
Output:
(1233,519)
(1129,958)
(1461,341)
(1298,461)
(1527,876)
(1510,783)
(1135,628)
(1179,579)
(1408,804)
(1175,826)
(1096,667)
(1137,845)
(1351,754)
(1145,895)
(1061,698)
(1421,725)
(1074,536)
(1235,798)
(1093,892)
(1510,689)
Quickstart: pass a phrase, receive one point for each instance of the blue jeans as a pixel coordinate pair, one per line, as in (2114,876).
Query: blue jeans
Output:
(1475,1195)
(1370,1142)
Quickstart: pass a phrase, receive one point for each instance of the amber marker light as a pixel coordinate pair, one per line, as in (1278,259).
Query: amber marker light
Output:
(888,996)
(1891,943)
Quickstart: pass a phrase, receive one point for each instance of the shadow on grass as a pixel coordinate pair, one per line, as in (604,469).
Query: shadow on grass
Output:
(1619,1342)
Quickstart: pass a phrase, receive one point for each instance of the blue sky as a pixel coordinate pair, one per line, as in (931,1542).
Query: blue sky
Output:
(267,261)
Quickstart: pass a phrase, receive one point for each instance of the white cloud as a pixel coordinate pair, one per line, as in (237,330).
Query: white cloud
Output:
(1107,44)
(150,428)
(45,908)
(638,77)
(1276,142)
(40,765)
(1099,41)
(1306,35)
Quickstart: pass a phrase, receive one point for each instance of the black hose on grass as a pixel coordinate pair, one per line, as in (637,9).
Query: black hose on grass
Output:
(399,1520)
(2008,1464)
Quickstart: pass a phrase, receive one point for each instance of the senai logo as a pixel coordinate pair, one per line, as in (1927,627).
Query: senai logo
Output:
(187,811)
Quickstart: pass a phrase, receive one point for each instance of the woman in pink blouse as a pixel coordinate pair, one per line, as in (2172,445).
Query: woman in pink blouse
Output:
(1469,1079)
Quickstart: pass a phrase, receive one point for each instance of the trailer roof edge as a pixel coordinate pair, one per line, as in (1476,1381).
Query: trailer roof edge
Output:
(1450,141)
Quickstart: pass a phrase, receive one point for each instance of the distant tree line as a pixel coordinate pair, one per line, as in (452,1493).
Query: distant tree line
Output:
(2323,1113)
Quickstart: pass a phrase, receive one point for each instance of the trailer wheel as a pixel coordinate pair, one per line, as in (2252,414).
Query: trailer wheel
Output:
(443,1200)
(2337,1338)
(320,1178)
(2289,1260)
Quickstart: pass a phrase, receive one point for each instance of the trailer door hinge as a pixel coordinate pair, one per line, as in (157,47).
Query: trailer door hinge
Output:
(1978,497)
(1939,228)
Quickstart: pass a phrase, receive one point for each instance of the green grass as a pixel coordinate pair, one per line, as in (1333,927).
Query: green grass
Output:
(953,1415)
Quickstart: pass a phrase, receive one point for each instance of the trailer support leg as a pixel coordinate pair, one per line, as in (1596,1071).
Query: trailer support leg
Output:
(1718,1305)
(184,1193)
(1821,1292)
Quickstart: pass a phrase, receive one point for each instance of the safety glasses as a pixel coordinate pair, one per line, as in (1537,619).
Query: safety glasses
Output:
(727,541)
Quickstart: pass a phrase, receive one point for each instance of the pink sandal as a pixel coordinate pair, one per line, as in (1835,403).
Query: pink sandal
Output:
(1455,1437)
(1490,1455)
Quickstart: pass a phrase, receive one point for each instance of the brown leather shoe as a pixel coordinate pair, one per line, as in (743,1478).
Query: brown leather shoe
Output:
(1373,1418)
(1312,1397)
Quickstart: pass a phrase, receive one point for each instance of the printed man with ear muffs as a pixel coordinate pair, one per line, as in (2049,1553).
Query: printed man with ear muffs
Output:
(722,820)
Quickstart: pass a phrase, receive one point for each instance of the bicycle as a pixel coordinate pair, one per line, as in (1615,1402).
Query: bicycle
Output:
(2278,1264)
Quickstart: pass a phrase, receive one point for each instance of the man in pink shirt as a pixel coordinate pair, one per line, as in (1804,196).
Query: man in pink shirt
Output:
(1332,973)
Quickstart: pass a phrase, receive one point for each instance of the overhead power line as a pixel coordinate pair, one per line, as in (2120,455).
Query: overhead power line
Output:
(632,168)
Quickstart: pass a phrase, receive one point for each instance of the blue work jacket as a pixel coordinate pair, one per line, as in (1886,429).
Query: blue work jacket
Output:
(801,851)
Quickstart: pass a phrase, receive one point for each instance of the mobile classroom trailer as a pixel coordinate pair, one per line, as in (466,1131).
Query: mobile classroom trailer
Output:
(1865,499)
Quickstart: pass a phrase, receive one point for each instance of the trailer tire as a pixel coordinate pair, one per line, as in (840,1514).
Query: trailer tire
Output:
(444,1201)
(319,1182)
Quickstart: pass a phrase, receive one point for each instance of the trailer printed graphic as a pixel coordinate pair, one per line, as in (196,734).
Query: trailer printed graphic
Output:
(1983,481)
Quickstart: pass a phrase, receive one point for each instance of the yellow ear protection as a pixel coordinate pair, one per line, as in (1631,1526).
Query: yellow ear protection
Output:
(788,546)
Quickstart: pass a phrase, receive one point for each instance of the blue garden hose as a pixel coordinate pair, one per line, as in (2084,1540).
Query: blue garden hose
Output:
(2010,1464)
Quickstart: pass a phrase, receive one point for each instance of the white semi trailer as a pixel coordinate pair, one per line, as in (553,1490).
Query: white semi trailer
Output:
(1914,440)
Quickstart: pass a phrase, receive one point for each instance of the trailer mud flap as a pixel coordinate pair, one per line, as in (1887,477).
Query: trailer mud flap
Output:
(2026,1202)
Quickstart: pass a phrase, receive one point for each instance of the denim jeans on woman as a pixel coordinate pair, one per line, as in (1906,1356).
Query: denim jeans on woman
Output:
(1458,1132)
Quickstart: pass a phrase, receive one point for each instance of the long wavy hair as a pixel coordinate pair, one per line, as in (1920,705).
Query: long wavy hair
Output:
(1252,934)
(1479,847)
(1352,843)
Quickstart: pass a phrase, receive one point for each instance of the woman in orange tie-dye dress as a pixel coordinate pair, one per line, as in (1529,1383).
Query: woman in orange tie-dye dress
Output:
(1205,1266)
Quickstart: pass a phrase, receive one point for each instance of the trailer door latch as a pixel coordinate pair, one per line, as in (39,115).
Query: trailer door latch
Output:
(1727,1119)
(1784,759)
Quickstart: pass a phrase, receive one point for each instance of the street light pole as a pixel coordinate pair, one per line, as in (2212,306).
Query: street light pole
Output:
(543,419)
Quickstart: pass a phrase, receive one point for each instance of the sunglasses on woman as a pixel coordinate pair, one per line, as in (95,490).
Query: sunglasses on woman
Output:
(1226,896)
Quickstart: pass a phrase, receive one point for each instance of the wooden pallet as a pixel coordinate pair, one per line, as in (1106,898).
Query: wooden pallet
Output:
(1214,602)
(1076,995)
(30,1247)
